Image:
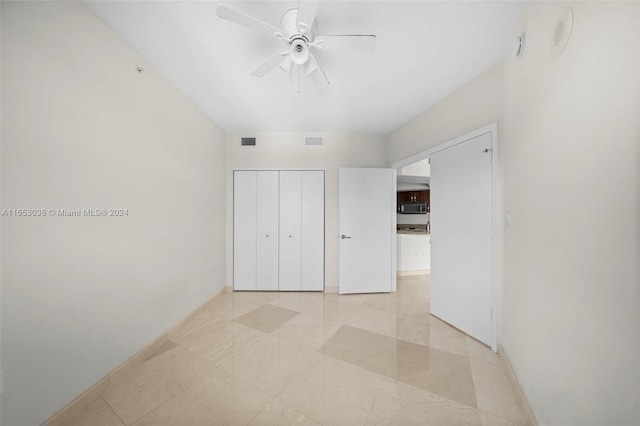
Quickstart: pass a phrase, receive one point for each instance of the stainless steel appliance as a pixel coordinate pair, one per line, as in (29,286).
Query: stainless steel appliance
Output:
(413,207)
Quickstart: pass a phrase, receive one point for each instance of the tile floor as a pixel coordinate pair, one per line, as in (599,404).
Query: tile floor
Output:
(314,359)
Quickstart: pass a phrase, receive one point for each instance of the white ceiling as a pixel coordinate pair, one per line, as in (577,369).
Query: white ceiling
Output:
(424,51)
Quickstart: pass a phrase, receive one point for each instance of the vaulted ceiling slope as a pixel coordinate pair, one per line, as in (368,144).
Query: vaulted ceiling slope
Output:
(424,51)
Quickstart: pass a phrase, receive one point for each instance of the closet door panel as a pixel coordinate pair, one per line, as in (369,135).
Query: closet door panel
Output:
(312,230)
(290,230)
(244,230)
(267,230)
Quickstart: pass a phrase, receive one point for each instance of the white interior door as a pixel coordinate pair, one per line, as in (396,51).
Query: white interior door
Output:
(312,187)
(461,232)
(290,231)
(244,230)
(267,230)
(367,228)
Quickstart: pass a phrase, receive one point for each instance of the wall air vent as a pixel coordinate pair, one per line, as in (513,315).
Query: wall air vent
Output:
(312,141)
(248,141)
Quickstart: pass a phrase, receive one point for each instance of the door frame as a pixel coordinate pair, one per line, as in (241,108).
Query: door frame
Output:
(496,222)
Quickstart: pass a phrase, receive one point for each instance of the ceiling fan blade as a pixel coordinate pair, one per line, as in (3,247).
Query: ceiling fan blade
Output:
(272,62)
(287,65)
(316,73)
(306,14)
(247,21)
(355,42)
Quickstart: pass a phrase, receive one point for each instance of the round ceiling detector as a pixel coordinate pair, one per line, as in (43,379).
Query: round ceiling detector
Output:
(562,32)
(299,51)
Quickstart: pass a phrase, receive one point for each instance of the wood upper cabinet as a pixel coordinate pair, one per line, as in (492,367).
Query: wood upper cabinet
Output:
(408,196)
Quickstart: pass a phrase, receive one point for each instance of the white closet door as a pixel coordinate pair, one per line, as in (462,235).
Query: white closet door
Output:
(267,230)
(290,230)
(312,230)
(244,230)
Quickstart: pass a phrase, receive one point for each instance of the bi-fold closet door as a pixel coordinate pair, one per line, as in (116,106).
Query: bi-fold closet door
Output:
(278,230)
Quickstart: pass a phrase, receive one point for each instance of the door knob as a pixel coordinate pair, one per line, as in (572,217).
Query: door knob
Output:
(344,236)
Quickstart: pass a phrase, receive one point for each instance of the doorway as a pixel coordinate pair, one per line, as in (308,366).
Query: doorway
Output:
(413,255)
(463,216)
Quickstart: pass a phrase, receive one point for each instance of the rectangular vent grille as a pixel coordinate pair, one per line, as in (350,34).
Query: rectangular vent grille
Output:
(313,141)
(248,141)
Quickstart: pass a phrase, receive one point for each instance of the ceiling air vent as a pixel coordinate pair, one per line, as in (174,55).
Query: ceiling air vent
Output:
(312,141)
(248,141)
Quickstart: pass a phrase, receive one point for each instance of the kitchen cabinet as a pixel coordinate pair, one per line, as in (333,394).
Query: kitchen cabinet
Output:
(413,253)
(408,196)
(278,223)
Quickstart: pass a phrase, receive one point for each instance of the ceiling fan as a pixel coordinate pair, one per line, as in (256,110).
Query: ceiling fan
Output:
(298,32)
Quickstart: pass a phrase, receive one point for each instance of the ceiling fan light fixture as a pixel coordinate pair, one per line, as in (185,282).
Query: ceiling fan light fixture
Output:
(299,51)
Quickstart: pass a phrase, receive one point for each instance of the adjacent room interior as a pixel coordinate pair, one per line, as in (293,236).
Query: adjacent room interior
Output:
(320,213)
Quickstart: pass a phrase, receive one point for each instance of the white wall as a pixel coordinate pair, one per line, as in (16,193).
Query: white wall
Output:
(571,138)
(474,105)
(82,129)
(419,168)
(287,150)
(471,107)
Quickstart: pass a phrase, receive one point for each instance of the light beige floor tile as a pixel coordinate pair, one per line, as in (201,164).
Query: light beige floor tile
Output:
(489,419)
(218,399)
(266,318)
(268,364)
(250,357)
(418,308)
(97,413)
(375,320)
(481,351)
(333,392)
(308,330)
(233,305)
(495,392)
(300,301)
(155,381)
(314,329)
(219,339)
(436,371)
(278,414)
(427,330)
(366,349)
(401,404)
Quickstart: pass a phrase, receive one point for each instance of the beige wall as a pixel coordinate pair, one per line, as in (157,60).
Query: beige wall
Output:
(287,150)
(470,107)
(570,138)
(82,129)
(569,142)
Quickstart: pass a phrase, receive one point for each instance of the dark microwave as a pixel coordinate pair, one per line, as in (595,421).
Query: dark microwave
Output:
(413,207)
